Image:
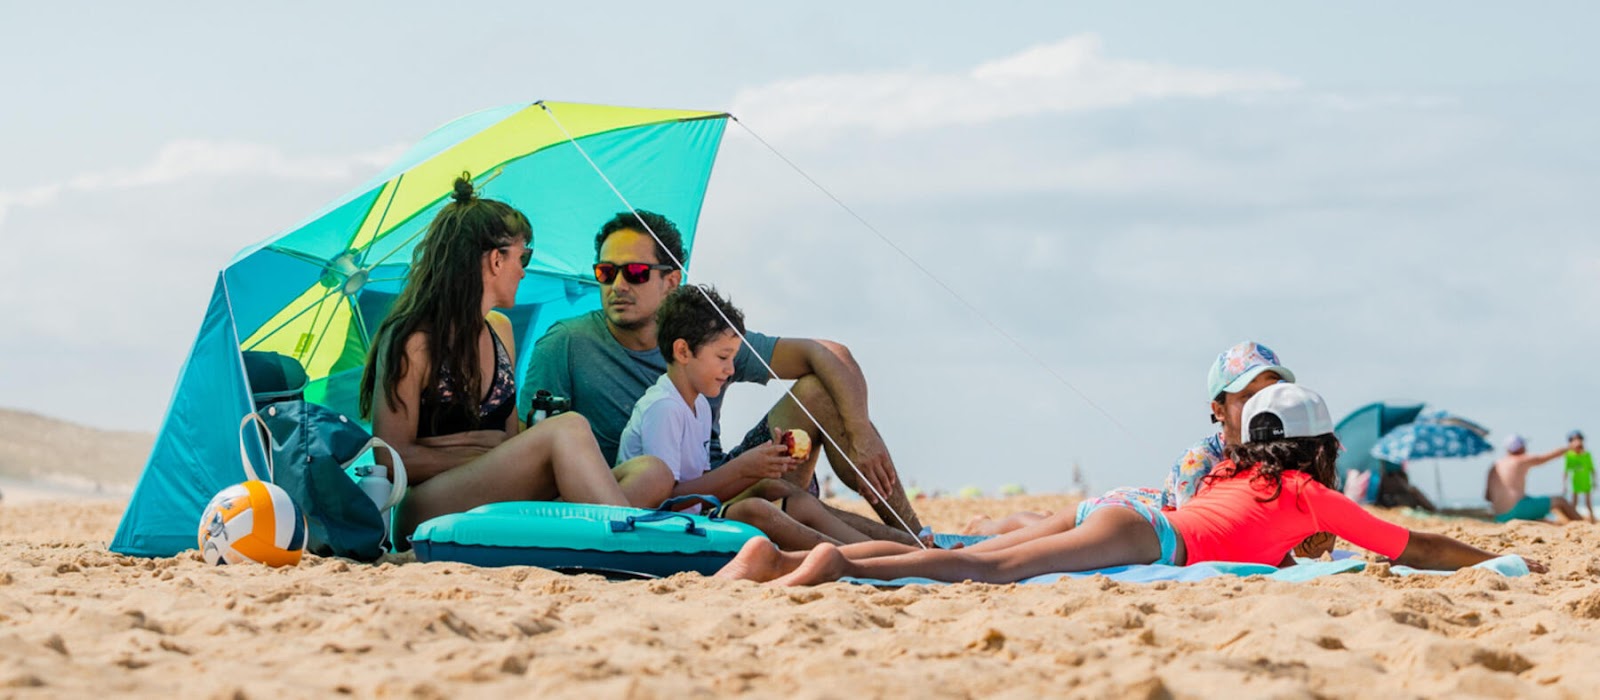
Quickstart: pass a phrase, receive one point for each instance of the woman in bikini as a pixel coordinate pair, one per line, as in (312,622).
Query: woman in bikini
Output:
(440,382)
(1273,491)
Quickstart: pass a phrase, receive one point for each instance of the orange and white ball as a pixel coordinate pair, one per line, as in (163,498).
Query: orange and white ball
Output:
(252,522)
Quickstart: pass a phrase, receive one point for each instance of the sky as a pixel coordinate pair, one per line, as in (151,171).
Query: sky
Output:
(1074,207)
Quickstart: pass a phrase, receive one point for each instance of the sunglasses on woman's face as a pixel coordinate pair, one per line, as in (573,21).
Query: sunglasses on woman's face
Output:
(527,254)
(634,273)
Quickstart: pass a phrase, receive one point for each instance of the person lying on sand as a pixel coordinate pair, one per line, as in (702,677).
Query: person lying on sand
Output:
(1235,376)
(1254,513)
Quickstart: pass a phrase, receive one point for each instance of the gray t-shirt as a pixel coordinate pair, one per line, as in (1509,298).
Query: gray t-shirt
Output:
(579,358)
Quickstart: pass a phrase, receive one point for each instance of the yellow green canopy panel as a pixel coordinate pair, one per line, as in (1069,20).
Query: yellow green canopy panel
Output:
(314,292)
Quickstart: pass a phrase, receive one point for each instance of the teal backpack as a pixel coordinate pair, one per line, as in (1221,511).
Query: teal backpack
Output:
(310,451)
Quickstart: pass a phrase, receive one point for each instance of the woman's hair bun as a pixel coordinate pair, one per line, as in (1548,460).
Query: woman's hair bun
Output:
(464,193)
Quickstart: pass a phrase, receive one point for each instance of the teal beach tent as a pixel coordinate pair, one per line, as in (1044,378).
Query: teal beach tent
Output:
(316,291)
(1360,430)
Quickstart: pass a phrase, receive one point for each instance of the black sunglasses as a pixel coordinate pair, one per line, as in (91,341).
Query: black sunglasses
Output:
(527,254)
(634,273)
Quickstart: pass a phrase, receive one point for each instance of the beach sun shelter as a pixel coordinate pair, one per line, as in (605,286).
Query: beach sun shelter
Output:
(316,291)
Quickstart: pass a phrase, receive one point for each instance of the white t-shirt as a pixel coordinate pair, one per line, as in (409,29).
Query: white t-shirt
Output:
(663,426)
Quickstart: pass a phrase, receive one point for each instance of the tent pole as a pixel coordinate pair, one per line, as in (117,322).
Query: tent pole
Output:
(1438,484)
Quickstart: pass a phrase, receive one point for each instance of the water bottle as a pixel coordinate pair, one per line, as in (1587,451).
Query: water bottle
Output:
(545,405)
(374,481)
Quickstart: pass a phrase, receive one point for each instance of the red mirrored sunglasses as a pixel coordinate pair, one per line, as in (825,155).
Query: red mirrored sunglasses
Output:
(634,273)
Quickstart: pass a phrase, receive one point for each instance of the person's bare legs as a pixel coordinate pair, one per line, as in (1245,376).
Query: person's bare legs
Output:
(1565,508)
(759,560)
(646,481)
(1053,524)
(804,508)
(1109,537)
(785,414)
(985,525)
(869,527)
(811,512)
(557,457)
(784,531)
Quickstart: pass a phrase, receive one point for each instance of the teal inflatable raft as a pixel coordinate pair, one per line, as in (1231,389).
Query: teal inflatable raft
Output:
(581,538)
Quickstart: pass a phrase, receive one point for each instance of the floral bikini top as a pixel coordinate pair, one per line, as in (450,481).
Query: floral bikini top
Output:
(493,411)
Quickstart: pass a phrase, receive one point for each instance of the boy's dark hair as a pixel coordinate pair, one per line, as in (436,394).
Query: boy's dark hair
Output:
(1316,456)
(668,240)
(689,316)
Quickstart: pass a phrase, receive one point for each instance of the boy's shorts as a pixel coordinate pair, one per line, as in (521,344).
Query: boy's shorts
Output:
(1151,514)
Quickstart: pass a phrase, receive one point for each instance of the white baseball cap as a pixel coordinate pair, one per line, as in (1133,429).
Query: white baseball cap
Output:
(1516,443)
(1283,411)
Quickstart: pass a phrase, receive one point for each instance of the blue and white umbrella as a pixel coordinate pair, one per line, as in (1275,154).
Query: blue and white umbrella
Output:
(1434,435)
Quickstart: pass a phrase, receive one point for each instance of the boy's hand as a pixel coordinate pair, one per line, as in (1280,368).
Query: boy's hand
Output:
(769,460)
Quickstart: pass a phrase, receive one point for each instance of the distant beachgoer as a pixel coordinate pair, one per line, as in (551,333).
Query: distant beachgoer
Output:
(1579,473)
(439,384)
(1272,491)
(604,360)
(1507,487)
(672,422)
(1235,376)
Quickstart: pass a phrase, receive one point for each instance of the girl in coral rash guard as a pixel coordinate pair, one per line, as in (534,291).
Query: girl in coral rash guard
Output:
(1274,490)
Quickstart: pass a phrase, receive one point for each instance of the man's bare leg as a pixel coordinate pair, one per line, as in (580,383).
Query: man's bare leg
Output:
(871,528)
(1565,508)
(785,414)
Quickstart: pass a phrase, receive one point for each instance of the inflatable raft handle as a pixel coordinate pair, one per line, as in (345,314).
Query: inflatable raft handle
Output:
(675,501)
(627,524)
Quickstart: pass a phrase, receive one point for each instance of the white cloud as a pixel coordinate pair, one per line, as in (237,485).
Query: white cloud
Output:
(191,158)
(1071,75)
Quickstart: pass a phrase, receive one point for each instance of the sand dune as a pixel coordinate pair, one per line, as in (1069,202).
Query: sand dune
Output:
(61,455)
(76,620)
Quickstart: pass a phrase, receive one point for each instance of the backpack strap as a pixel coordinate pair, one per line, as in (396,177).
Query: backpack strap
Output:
(397,471)
(266,449)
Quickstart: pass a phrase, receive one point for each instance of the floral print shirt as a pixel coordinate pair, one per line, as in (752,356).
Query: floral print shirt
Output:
(1184,479)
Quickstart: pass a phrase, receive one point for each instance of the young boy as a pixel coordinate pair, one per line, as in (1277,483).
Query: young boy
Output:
(672,421)
(1580,472)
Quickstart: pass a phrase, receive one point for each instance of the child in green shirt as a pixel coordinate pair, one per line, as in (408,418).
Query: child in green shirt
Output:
(1580,472)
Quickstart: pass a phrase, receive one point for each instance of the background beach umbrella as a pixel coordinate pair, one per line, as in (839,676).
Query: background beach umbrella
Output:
(316,292)
(1435,435)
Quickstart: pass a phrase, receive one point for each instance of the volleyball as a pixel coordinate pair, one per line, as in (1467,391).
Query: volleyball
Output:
(253,521)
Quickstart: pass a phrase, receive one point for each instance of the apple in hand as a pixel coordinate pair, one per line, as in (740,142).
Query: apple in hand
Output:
(798,442)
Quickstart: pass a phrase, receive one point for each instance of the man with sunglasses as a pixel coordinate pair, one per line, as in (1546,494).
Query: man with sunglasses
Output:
(603,361)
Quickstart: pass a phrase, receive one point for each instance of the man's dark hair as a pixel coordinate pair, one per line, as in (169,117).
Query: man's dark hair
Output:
(1316,456)
(688,315)
(668,240)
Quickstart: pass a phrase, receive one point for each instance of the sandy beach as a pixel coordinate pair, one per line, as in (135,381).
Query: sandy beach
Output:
(77,620)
